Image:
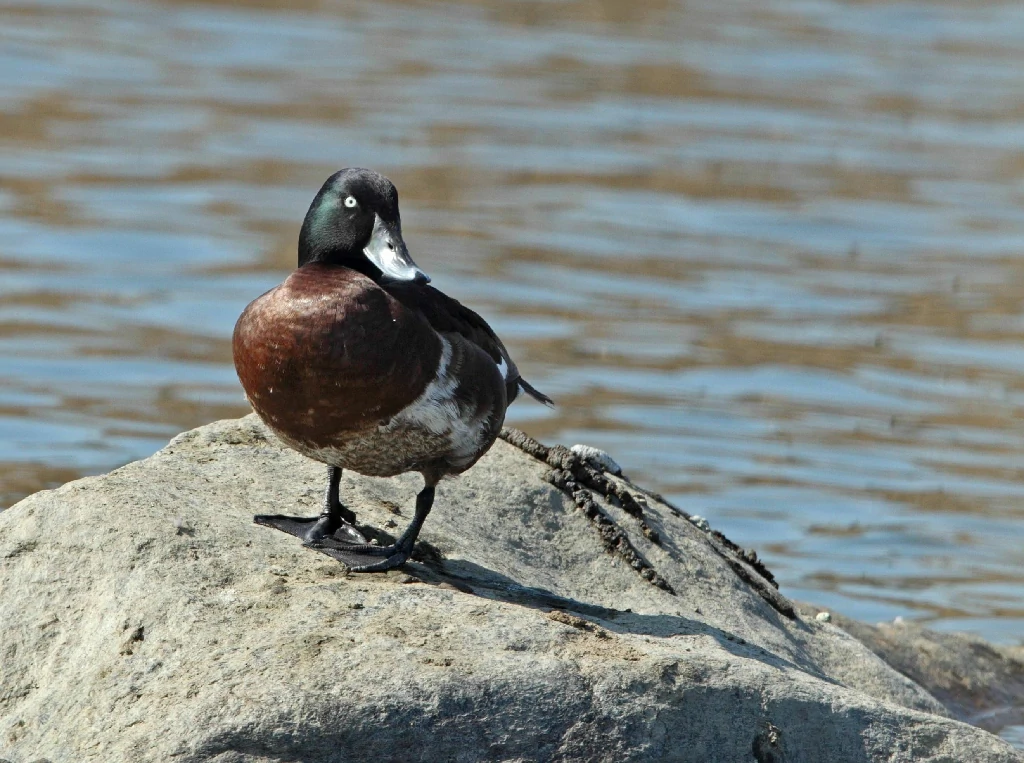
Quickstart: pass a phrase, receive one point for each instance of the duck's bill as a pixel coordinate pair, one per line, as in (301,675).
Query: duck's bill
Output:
(387,251)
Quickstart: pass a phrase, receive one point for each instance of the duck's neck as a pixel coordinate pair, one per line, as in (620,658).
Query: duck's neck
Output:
(338,258)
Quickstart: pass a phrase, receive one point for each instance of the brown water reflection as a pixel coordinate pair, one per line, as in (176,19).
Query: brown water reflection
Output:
(770,258)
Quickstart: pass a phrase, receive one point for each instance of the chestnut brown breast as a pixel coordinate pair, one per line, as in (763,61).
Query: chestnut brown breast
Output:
(328,353)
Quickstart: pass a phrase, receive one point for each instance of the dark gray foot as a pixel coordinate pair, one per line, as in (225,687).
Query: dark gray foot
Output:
(312,530)
(335,521)
(363,557)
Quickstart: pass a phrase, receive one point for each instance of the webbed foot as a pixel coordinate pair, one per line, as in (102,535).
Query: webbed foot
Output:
(312,530)
(335,521)
(364,557)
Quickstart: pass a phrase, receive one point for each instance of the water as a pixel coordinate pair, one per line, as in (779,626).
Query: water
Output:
(770,256)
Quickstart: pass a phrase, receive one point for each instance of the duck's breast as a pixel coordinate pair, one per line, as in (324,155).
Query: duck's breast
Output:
(328,353)
(349,376)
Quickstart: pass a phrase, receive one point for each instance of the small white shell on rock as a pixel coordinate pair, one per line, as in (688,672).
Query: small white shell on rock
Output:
(598,457)
(183,527)
(702,523)
(823,617)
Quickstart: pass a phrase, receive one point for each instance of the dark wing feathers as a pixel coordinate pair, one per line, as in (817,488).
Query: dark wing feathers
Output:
(449,316)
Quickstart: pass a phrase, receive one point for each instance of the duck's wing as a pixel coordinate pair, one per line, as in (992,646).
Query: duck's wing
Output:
(449,316)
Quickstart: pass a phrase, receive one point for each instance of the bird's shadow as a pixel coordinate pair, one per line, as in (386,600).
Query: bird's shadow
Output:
(430,567)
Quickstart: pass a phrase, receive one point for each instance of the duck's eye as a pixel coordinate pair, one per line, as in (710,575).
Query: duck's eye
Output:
(350,202)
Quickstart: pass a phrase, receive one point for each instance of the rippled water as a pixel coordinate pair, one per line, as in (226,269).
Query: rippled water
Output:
(770,256)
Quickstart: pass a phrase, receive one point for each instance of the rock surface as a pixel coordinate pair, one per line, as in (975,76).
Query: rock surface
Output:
(145,618)
(976,681)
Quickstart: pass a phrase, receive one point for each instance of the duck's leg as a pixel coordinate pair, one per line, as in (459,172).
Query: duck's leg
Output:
(335,521)
(363,557)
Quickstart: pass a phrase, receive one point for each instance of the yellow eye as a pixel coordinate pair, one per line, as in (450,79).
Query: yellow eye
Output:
(350,201)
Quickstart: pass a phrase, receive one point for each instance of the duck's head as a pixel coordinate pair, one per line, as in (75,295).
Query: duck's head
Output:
(354,221)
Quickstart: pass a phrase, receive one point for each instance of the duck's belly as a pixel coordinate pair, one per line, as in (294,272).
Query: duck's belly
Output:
(386,451)
(444,431)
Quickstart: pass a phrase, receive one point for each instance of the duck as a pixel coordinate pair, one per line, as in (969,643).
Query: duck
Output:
(357,362)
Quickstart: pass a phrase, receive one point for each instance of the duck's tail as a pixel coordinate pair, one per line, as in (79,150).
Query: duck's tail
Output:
(536,394)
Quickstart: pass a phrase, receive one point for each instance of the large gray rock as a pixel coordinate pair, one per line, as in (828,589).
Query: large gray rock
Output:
(145,618)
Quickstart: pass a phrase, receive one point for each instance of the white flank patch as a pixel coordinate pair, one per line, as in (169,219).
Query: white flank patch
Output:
(503,369)
(436,411)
